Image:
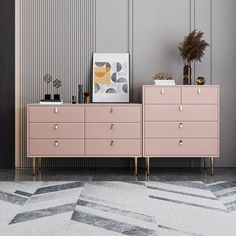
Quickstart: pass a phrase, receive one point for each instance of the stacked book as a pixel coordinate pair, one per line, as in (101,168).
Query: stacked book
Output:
(51,102)
(164,82)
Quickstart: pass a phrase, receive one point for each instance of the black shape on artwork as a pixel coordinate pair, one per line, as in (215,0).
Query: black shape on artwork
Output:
(113,77)
(125,88)
(111,90)
(118,67)
(97,88)
(100,64)
(121,80)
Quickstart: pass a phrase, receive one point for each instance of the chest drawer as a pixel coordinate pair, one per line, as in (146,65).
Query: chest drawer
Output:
(200,95)
(162,95)
(181,113)
(56,147)
(41,114)
(184,147)
(56,130)
(113,114)
(113,147)
(181,130)
(113,130)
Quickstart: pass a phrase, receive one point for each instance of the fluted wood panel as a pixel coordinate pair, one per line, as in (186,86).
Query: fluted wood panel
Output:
(57,37)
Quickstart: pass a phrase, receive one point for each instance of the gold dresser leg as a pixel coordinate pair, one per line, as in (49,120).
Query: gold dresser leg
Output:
(147,160)
(205,167)
(212,166)
(33,165)
(136,166)
(39,163)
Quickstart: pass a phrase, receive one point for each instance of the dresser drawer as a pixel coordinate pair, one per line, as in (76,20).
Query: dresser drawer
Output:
(177,147)
(181,113)
(113,114)
(48,114)
(113,147)
(113,130)
(162,95)
(200,95)
(56,130)
(53,147)
(181,129)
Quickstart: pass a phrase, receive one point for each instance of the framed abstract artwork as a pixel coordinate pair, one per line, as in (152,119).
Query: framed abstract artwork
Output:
(110,77)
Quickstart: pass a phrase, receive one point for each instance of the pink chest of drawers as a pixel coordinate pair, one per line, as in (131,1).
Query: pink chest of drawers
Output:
(91,130)
(180,121)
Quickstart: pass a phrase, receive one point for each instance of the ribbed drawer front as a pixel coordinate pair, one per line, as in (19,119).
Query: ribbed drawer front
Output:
(56,147)
(162,95)
(56,130)
(200,95)
(181,113)
(181,147)
(113,113)
(181,130)
(113,147)
(113,130)
(59,113)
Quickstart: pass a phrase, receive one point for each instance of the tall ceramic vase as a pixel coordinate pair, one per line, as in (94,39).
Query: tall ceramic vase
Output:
(187,74)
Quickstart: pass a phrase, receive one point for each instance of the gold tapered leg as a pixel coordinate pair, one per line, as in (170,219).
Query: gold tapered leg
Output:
(39,163)
(205,166)
(33,165)
(212,166)
(147,165)
(136,166)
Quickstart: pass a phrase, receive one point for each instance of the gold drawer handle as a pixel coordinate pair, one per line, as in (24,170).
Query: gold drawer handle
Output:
(55,109)
(180,108)
(56,144)
(112,126)
(112,143)
(181,142)
(162,91)
(56,127)
(199,91)
(180,125)
(111,110)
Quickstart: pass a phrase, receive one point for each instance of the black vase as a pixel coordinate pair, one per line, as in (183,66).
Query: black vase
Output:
(187,74)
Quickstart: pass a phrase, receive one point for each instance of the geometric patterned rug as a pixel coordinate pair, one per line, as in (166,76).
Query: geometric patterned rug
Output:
(118,208)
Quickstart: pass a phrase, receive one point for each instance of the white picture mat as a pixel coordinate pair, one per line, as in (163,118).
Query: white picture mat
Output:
(111,58)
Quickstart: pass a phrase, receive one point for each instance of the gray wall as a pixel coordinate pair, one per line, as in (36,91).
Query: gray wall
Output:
(151,31)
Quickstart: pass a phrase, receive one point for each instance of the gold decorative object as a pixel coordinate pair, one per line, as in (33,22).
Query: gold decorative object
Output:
(200,81)
(47,79)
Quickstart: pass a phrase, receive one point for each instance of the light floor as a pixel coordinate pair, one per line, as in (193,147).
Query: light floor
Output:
(107,208)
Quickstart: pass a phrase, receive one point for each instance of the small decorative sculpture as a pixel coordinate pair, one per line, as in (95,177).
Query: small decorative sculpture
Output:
(57,84)
(162,76)
(47,79)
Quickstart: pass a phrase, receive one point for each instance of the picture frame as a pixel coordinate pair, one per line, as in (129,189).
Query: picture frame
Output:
(111,80)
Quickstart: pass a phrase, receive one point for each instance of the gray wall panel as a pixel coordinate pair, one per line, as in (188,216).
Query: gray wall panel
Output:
(159,26)
(59,36)
(112,23)
(223,73)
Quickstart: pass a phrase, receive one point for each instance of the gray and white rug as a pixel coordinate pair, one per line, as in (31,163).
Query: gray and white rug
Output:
(117,208)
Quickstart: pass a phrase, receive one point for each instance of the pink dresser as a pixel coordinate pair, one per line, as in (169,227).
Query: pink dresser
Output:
(181,121)
(88,130)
